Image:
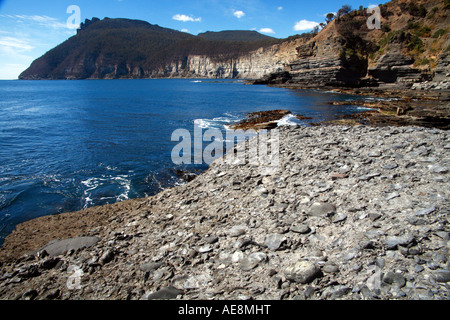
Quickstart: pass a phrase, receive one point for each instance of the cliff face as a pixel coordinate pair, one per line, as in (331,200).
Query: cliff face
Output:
(412,47)
(255,64)
(252,65)
(121,48)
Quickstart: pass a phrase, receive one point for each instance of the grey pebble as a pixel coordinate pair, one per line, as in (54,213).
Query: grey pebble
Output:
(300,228)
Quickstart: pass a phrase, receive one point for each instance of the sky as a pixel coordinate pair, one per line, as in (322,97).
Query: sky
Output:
(30,28)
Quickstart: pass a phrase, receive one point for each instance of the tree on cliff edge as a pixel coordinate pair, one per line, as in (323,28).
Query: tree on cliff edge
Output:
(330,17)
(344,10)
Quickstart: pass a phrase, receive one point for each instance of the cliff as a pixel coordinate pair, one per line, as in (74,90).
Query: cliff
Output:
(122,48)
(412,47)
(252,65)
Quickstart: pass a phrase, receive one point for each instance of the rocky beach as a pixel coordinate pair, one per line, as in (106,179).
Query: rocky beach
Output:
(353,213)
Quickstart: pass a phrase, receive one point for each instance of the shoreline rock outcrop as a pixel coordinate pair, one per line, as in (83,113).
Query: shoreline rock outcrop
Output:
(409,51)
(352,213)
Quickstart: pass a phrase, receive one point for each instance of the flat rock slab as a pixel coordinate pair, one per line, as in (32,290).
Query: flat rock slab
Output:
(58,247)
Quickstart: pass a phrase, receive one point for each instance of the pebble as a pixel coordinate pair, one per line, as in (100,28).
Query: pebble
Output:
(426,211)
(391,243)
(394,278)
(369,176)
(300,228)
(339,291)
(107,257)
(211,239)
(392,196)
(319,209)
(330,268)
(339,217)
(302,272)
(168,293)
(390,166)
(442,275)
(274,241)
(205,249)
(237,231)
(253,260)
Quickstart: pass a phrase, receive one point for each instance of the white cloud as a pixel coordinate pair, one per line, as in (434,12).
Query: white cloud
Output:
(42,20)
(266,30)
(184,30)
(15,43)
(304,25)
(280,8)
(238,14)
(185,18)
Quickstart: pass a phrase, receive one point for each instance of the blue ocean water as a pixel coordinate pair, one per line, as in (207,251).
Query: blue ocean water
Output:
(69,145)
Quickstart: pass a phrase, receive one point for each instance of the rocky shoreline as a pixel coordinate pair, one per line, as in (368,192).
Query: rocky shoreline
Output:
(354,212)
(390,107)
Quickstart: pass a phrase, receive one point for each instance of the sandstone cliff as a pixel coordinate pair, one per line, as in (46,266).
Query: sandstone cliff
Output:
(253,65)
(411,48)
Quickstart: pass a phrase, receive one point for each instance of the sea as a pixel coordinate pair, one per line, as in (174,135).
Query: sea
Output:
(70,145)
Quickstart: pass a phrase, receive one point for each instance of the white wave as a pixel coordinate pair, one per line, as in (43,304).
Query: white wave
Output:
(202,123)
(288,120)
(217,123)
(91,184)
(222,119)
(197,81)
(87,202)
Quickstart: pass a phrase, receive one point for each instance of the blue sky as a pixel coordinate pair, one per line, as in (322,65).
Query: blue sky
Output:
(29,28)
